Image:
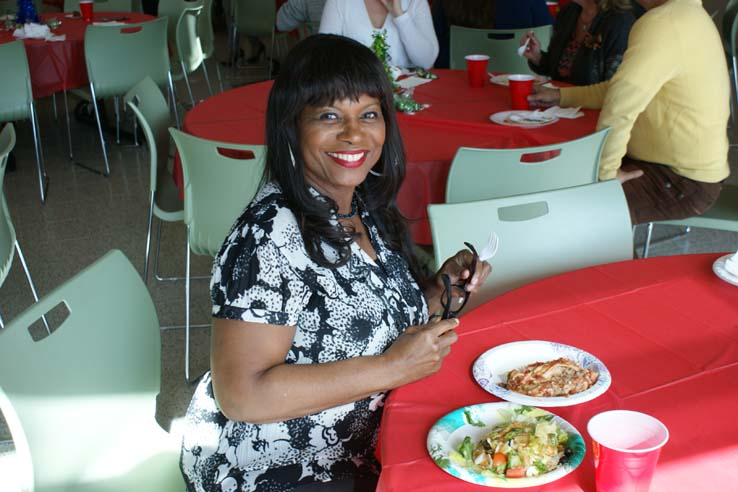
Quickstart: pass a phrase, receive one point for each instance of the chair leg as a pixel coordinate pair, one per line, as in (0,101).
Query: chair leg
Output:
(174,99)
(735,85)
(148,238)
(69,126)
(53,102)
(647,244)
(187,83)
(220,79)
(117,120)
(100,130)
(207,79)
(30,282)
(187,309)
(269,60)
(43,179)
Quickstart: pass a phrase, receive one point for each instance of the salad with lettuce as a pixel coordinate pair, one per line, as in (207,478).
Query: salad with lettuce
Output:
(528,443)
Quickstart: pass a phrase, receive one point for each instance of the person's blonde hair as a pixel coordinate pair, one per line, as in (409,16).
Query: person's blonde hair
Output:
(605,5)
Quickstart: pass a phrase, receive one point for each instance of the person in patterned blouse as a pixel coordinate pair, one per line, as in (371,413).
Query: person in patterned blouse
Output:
(320,306)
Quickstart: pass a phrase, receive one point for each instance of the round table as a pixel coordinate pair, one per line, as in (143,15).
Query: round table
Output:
(458,116)
(666,328)
(60,65)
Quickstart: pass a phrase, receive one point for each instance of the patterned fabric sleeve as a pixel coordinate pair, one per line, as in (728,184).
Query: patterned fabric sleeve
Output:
(253,281)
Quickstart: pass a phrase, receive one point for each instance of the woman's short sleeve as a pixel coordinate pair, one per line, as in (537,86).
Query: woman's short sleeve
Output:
(253,281)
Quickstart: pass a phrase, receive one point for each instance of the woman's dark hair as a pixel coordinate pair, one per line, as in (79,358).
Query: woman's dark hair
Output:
(318,71)
(479,14)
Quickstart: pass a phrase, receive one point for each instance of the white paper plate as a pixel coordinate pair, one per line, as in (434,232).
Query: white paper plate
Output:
(449,432)
(491,368)
(719,268)
(503,118)
(503,79)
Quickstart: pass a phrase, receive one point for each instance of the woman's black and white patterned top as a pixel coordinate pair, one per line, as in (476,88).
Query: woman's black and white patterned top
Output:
(264,275)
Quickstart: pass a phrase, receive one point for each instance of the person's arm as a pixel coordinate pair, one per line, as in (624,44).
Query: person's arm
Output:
(615,42)
(416,32)
(252,383)
(648,63)
(291,14)
(539,13)
(332,20)
(441,27)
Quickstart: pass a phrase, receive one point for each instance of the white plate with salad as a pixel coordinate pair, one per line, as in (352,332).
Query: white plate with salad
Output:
(505,445)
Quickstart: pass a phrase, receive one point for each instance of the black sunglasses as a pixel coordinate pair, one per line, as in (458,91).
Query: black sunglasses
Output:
(447,297)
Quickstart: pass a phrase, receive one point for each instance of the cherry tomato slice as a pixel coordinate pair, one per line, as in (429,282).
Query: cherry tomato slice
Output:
(515,472)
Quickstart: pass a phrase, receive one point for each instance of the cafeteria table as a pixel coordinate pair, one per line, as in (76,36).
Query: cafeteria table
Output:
(667,330)
(458,115)
(60,65)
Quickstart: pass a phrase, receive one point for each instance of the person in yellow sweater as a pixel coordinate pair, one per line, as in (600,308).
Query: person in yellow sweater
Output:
(667,107)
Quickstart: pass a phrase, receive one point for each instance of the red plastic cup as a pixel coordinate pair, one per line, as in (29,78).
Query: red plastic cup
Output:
(520,87)
(85,8)
(626,448)
(553,7)
(476,69)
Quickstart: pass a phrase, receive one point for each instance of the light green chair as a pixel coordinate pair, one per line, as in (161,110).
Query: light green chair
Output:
(8,241)
(150,108)
(540,234)
(80,403)
(119,57)
(207,36)
(255,18)
(16,100)
(219,181)
(189,48)
(500,44)
(480,174)
(722,216)
(101,5)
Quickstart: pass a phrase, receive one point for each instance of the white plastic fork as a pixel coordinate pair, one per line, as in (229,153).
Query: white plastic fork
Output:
(522,49)
(490,249)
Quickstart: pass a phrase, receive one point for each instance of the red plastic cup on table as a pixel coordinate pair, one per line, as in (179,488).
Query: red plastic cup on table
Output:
(86,8)
(553,7)
(476,69)
(626,447)
(520,87)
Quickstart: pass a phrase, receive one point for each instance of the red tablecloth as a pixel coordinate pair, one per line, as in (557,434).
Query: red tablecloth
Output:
(59,65)
(458,116)
(667,329)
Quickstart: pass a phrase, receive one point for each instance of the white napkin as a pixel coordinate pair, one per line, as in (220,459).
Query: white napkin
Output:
(569,113)
(412,81)
(536,116)
(731,264)
(37,31)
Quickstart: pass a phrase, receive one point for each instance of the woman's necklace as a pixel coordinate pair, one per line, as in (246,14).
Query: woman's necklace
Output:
(352,213)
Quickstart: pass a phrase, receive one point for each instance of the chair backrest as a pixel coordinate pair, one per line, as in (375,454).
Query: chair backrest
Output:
(16,96)
(480,174)
(540,234)
(7,232)
(254,17)
(500,44)
(80,403)
(172,10)
(150,107)
(118,57)
(102,5)
(189,48)
(205,29)
(220,179)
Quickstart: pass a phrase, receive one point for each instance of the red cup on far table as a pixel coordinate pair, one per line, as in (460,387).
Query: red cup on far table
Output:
(520,87)
(85,8)
(476,69)
(626,448)
(553,7)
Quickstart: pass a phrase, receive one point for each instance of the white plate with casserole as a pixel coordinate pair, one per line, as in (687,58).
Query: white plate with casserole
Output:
(491,369)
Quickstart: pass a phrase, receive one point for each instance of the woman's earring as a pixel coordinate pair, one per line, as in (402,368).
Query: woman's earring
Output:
(292,156)
(375,173)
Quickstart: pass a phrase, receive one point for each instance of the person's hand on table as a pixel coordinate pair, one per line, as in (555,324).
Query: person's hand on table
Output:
(544,96)
(420,350)
(628,174)
(533,51)
(394,7)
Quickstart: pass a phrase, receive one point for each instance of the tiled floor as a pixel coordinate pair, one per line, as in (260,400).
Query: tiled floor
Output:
(86,215)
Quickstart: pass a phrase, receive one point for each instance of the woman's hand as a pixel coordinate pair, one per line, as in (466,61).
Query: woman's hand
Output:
(543,96)
(420,350)
(394,7)
(533,51)
(458,269)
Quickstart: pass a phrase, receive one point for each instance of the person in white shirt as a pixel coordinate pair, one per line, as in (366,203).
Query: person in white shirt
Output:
(293,13)
(409,25)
